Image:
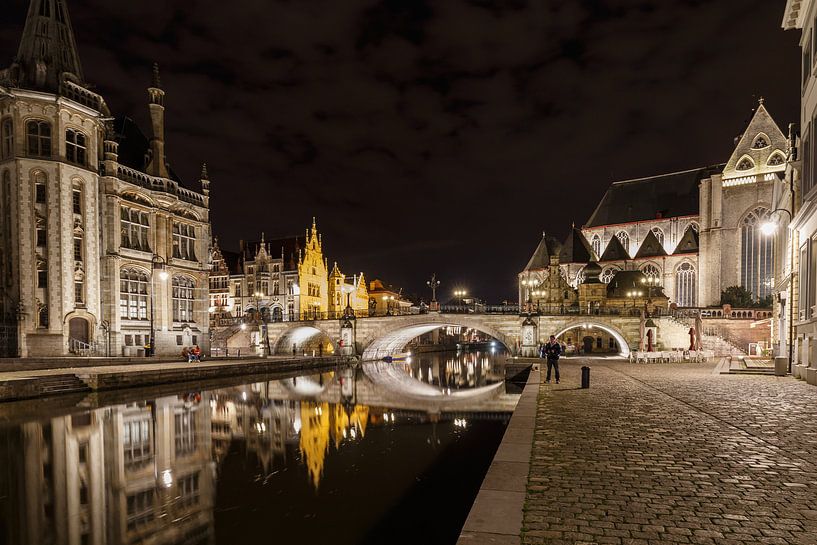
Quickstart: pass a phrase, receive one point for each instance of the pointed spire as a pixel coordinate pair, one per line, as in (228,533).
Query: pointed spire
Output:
(204,175)
(47,48)
(204,179)
(157,81)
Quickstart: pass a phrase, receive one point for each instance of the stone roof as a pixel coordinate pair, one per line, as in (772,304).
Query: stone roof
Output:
(688,243)
(548,246)
(663,196)
(576,249)
(614,251)
(651,247)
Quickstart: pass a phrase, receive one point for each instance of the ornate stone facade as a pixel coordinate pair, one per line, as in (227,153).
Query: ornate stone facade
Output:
(92,213)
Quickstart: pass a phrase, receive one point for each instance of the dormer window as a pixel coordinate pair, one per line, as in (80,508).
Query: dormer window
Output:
(745,164)
(760,142)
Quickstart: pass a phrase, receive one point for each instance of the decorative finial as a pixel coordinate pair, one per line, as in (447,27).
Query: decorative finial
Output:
(761,101)
(157,82)
(204,175)
(262,237)
(573,224)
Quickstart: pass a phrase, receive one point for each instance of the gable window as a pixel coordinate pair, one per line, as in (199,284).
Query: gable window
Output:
(776,159)
(38,139)
(659,234)
(745,164)
(135,229)
(184,241)
(608,274)
(7,136)
(133,294)
(760,142)
(624,238)
(183,299)
(76,149)
(596,243)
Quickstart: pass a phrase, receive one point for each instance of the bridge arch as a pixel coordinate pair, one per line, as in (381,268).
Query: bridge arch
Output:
(392,338)
(305,338)
(617,334)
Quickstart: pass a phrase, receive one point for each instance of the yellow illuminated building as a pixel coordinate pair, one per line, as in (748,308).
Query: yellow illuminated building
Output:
(351,291)
(313,277)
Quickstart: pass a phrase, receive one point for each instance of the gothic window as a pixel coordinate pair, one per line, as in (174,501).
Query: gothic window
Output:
(659,234)
(624,238)
(42,273)
(184,241)
(651,271)
(760,142)
(39,188)
(133,294)
(685,285)
(7,136)
(79,290)
(76,147)
(42,238)
(76,201)
(757,254)
(275,288)
(42,317)
(38,139)
(183,288)
(135,229)
(596,243)
(77,247)
(608,274)
(745,164)
(776,159)
(580,276)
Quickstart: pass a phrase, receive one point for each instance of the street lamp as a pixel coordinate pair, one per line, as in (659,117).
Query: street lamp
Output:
(633,294)
(460,294)
(157,263)
(433,283)
(651,282)
(388,302)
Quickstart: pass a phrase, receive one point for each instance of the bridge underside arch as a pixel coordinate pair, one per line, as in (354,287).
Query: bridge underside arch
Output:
(623,345)
(395,341)
(304,340)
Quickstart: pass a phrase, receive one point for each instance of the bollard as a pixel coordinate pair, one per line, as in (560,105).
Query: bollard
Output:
(585,377)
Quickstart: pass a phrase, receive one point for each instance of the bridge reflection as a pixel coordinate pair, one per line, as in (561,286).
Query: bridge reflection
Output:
(147,470)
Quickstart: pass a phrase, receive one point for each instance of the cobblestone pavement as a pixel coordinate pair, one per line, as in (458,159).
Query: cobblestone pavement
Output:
(672,453)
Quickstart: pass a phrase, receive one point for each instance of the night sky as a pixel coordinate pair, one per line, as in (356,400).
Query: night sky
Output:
(433,136)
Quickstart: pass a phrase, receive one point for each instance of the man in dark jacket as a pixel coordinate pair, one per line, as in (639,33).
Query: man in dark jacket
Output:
(552,352)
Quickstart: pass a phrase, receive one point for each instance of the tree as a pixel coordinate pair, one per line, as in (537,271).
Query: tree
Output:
(737,296)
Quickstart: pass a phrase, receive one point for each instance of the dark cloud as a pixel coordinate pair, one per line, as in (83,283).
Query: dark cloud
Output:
(433,136)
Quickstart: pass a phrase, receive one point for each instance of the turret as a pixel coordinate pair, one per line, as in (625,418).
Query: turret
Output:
(156,163)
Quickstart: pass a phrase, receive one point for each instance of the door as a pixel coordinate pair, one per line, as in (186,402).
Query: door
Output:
(78,330)
(588,344)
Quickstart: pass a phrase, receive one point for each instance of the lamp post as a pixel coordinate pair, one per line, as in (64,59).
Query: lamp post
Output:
(157,263)
(633,294)
(433,283)
(388,302)
(651,282)
(768,228)
(460,295)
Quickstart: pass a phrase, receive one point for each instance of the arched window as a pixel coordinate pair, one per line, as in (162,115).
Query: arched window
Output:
(580,277)
(7,137)
(761,141)
(134,225)
(133,294)
(624,238)
(38,139)
(596,243)
(184,241)
(183,288)
(608,274)
(42,273)
(76,147)
(40,192)
(659,234)
(651,271)
(745,164)
(685,285)
(42,316)
(756,255)
(776,159)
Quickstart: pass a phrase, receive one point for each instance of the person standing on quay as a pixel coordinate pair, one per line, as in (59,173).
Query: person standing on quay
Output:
(552,351)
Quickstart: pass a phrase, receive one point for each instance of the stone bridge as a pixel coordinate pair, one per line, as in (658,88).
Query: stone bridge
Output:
(376,337)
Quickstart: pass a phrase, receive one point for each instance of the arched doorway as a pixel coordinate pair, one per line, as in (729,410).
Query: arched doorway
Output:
(277,314)
(78,330)
(587,343)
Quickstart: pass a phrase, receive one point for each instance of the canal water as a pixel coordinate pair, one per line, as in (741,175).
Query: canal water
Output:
(373,454)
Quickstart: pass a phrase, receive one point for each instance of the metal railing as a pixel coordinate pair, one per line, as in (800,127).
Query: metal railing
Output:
(81,348)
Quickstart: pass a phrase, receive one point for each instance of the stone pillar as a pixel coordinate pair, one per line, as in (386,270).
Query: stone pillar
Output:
(530,338)
(347,338)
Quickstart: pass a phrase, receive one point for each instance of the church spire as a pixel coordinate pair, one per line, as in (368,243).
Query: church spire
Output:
(47,51)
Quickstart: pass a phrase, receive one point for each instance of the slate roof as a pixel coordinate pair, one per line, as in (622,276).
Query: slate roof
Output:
(688,243)
(540,259)
(134,145)
(663,196)
(576,249)
(651,247)
(614,251)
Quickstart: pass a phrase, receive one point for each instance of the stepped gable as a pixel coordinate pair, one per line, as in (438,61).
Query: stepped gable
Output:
(651,247)
(688,243)
(614,251)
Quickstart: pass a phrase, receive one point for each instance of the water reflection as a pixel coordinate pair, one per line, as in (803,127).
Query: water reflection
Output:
(164,470)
